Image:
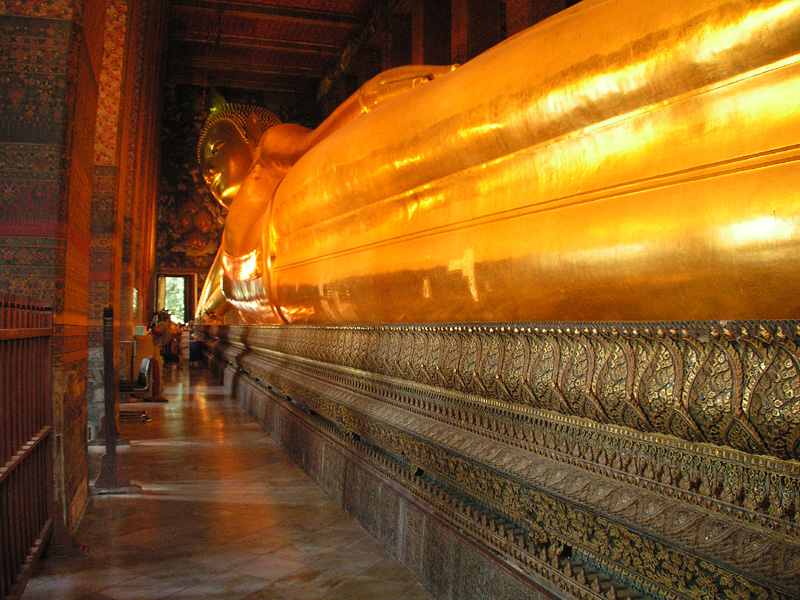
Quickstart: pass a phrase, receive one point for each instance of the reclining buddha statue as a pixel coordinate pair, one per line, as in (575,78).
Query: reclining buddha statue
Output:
(618,161)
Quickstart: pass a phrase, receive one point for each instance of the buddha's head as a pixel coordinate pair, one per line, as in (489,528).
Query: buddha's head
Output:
(227,147)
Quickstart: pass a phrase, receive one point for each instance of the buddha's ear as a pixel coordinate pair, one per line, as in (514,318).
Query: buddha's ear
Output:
(253,128)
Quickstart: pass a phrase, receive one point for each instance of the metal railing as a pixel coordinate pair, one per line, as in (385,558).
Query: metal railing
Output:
(25,439)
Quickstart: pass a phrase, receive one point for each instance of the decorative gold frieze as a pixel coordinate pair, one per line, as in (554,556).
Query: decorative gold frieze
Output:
(729,384)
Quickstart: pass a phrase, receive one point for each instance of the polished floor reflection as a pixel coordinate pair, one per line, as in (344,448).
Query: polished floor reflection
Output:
(223,514)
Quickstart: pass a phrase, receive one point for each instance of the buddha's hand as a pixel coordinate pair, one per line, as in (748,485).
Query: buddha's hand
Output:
(396,82)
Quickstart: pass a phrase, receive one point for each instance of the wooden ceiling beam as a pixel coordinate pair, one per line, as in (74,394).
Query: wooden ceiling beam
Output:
(206,64)
(272,12)
(375,24)
(239,80)
(237,41)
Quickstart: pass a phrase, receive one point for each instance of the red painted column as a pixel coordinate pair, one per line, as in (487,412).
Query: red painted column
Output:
(477,25)
(397,49)
(430,32)
(521,14)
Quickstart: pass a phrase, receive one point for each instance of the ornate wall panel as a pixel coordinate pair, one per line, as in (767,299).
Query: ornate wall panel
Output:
(190,221)
(46,71)
(607,460)
(32,91)
(110,97)
(106,209)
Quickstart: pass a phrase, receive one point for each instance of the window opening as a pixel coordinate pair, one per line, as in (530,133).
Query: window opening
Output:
(175,297)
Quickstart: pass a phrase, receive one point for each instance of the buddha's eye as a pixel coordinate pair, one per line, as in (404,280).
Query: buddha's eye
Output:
(215,147)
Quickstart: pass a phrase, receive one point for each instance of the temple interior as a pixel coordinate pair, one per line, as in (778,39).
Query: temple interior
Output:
(494,299)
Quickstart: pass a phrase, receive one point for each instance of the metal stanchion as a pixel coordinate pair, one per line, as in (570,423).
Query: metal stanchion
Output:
(111,480)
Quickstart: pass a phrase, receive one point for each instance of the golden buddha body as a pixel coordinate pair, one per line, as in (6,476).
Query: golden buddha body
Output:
(643,170)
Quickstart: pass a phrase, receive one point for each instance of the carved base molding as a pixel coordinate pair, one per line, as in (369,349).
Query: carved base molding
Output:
(557,463)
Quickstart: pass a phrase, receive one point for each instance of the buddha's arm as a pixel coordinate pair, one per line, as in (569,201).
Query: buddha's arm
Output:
(211,297)
(283,145)
(393,83)
(244,223)
(379,90)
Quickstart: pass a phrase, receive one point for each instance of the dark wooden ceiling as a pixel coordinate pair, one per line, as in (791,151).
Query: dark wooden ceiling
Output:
(286,46)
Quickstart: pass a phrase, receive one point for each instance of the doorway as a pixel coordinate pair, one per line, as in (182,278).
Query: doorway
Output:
(177,293)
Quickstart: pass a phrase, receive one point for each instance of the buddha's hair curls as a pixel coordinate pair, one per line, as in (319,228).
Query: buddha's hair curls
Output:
(237,115)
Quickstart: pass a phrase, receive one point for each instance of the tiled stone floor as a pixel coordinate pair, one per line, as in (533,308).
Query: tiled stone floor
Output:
(223,514)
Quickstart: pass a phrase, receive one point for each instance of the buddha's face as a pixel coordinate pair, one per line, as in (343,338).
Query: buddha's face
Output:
(225,159)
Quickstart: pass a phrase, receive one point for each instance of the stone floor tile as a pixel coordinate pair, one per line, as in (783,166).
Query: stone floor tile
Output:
(183,572)
(269,567)
(417,592)
(391,570)
(73,586)
(262,542)
(317,580)
(278,591)
(224,558)
(367,588)
(142,588)
(360,555)
(227,586)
